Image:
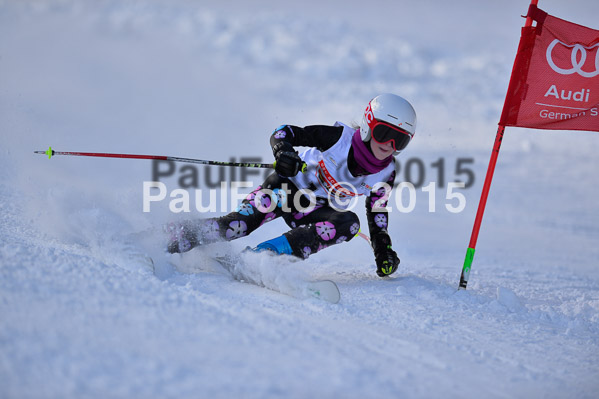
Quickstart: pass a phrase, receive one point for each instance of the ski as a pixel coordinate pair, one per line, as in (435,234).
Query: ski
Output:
(325,290)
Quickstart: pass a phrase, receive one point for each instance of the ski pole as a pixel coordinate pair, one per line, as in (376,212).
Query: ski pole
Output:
(50,153)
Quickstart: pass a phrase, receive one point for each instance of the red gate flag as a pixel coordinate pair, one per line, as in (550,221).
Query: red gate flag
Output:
(554,85)
(555,79)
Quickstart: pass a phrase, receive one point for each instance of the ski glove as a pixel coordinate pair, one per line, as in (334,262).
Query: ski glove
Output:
(287,161)
(386,258)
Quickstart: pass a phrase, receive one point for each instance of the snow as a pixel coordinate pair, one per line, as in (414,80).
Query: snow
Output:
(83,315)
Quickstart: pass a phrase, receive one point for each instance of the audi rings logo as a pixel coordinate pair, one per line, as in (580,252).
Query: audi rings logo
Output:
(578,58)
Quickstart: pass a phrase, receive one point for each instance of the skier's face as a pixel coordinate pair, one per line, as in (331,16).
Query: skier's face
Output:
(381,151)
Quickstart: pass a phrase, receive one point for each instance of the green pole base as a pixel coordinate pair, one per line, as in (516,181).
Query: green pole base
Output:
(466,269)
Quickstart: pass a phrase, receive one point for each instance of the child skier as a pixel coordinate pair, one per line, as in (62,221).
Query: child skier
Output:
(311,190)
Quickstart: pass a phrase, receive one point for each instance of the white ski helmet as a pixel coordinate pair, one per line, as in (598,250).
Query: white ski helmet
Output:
(390,109)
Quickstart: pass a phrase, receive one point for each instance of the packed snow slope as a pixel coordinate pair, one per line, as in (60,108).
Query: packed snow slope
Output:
(82,313)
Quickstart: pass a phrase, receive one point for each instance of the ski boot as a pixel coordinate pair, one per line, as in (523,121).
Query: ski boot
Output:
(279,245)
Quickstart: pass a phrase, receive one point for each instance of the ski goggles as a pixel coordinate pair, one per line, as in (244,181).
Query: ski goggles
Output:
(383,132)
